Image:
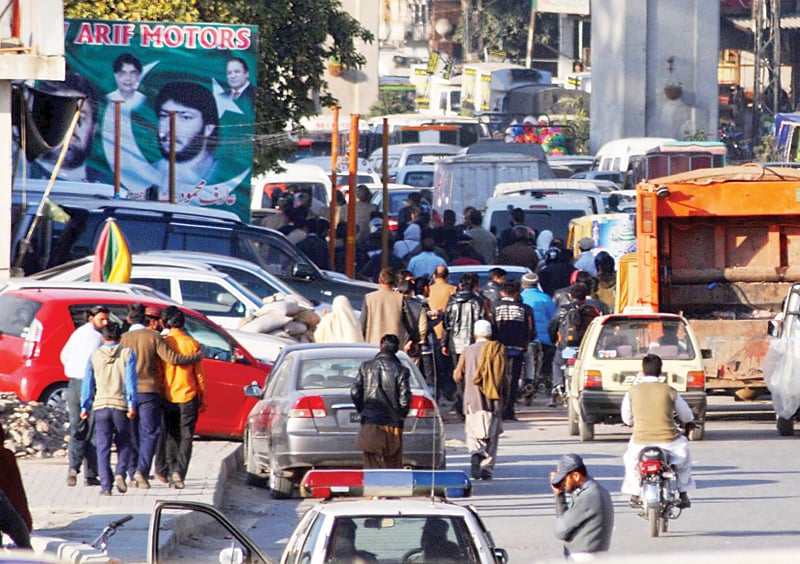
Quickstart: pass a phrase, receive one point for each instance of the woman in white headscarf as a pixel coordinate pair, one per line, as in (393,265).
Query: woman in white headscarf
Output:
(543,242)
(339,325)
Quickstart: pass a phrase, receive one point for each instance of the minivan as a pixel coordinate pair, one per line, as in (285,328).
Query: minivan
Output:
(547,204)
(73,232)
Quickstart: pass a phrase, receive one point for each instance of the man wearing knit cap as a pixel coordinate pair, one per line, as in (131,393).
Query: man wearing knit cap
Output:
(585,525)
(544,309)
(482,368)
(585,261)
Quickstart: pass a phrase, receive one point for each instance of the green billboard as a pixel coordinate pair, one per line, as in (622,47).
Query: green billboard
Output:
(161,89)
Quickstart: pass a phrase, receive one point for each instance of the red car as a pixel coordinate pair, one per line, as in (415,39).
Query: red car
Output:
(36,323)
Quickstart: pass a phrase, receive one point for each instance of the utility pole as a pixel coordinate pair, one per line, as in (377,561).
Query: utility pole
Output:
(767,63)
(531,31)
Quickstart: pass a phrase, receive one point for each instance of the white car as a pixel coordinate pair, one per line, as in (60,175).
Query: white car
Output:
(415,524)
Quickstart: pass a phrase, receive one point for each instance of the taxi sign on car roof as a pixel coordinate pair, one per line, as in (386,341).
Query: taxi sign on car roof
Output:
(385,483)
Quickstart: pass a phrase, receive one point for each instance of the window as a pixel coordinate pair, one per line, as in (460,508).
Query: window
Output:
(210,298)
(160,284)
(204,238)
(633,338)
(252,282)
(215,344)
(281,379)
(16,315)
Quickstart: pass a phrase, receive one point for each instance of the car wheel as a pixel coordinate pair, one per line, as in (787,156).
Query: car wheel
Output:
(55,396)
(572,417)
(255,477)
(785,427)
(585,430)
(280,487)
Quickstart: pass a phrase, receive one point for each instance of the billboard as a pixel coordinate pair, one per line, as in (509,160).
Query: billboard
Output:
(182,88)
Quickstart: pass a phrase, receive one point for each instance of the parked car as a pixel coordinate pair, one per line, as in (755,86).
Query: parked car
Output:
(157,226)
(306,419)
(214,294)
(512,272)
(35,324)
(610,358)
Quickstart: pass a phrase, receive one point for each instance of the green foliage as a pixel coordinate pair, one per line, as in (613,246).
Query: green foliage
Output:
(696,135)
(295,40)
(580,127)
(767,150)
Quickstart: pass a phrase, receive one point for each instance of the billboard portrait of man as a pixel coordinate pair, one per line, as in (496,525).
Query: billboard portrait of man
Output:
(196,131)
(75,166)
(127,73)
(239,87)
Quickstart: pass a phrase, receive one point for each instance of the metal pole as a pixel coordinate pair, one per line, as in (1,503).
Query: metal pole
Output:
(531,31)
(334,190)
(117,143)
(350,249)
(172,157)
(385,211)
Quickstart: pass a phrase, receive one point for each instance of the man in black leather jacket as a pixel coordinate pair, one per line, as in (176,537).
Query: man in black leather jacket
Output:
(382,395)
(464,308)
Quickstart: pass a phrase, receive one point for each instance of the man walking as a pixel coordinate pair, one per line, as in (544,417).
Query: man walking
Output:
(184,394)
(109,390)
(482,370)
(152,352)
(513,322)
(75,356)
(584,526)
(382,311)
(382,395)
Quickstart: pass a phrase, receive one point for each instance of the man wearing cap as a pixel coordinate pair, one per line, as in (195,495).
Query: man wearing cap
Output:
(521,251)
(151,352)
(481,368)
(585,526)
(585,260)
(649,407)
(543,311)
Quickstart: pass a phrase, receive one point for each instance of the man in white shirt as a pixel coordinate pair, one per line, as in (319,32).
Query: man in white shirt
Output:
(75,357)
(648,407)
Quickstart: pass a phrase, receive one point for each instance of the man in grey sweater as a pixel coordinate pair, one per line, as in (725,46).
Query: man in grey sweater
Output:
(585,526)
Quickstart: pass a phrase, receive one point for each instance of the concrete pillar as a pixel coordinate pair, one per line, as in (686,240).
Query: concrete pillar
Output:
(631,43)
(566,45)
(5,180)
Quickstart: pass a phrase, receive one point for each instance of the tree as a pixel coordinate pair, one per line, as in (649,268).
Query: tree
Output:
(296,38)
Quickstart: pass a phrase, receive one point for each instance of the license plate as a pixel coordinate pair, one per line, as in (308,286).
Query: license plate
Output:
(355,417)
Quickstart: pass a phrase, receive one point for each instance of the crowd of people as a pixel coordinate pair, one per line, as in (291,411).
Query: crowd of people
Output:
(140,390)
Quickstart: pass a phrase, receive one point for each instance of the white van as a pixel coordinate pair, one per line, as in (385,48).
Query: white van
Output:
(406,154)
(547,204)
(617,154)
(296,175)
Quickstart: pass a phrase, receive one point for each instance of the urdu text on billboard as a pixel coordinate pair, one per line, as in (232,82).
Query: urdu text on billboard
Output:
(198,80)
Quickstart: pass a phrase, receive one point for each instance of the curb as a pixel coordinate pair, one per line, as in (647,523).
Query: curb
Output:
(181,526)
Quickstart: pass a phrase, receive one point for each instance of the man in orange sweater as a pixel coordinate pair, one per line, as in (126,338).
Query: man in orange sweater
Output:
(184,399)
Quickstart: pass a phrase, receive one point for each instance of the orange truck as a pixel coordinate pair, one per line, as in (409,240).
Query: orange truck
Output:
(721,246)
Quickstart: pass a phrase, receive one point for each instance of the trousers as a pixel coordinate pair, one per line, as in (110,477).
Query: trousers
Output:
(81,452)
(111,426)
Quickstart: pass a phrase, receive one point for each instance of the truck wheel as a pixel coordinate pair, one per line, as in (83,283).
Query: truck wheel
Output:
(572,417)
(785,427)
(586,430)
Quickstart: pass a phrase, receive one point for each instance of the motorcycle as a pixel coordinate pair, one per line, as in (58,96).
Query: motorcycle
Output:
(659,496)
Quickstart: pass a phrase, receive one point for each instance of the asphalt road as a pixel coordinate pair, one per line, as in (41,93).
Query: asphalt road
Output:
(747,488)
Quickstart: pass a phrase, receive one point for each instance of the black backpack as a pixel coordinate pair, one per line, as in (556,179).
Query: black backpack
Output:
(573,322)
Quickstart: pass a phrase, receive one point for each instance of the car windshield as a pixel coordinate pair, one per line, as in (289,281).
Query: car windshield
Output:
(401,538)
(339,372)
(627,338)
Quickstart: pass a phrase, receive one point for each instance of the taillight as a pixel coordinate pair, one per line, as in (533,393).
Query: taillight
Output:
(309,406)
(30,348)
(592,379)
(392,224)
(649,467)
(421,407)
(696,379)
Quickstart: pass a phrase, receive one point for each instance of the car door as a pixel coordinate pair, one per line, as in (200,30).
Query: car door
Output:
(212,299)
(228,369)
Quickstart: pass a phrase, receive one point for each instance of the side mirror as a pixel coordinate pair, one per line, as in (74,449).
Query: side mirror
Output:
(231,555)
(253,390)
(500,555)
(774,328)
(706,354)
(226,299)
(302,270)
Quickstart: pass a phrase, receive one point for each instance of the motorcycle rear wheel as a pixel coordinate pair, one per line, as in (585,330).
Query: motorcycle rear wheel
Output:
(653,520)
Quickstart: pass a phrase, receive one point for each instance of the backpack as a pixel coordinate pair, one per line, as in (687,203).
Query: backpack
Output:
(573,322)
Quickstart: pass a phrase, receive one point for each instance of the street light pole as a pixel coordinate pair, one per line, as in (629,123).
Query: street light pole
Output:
(531,30)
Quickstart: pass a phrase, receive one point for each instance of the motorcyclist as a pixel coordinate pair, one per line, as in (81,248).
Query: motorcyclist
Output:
(649,407)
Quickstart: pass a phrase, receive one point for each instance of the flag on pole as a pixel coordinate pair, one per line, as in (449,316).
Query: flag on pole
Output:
(112,257)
